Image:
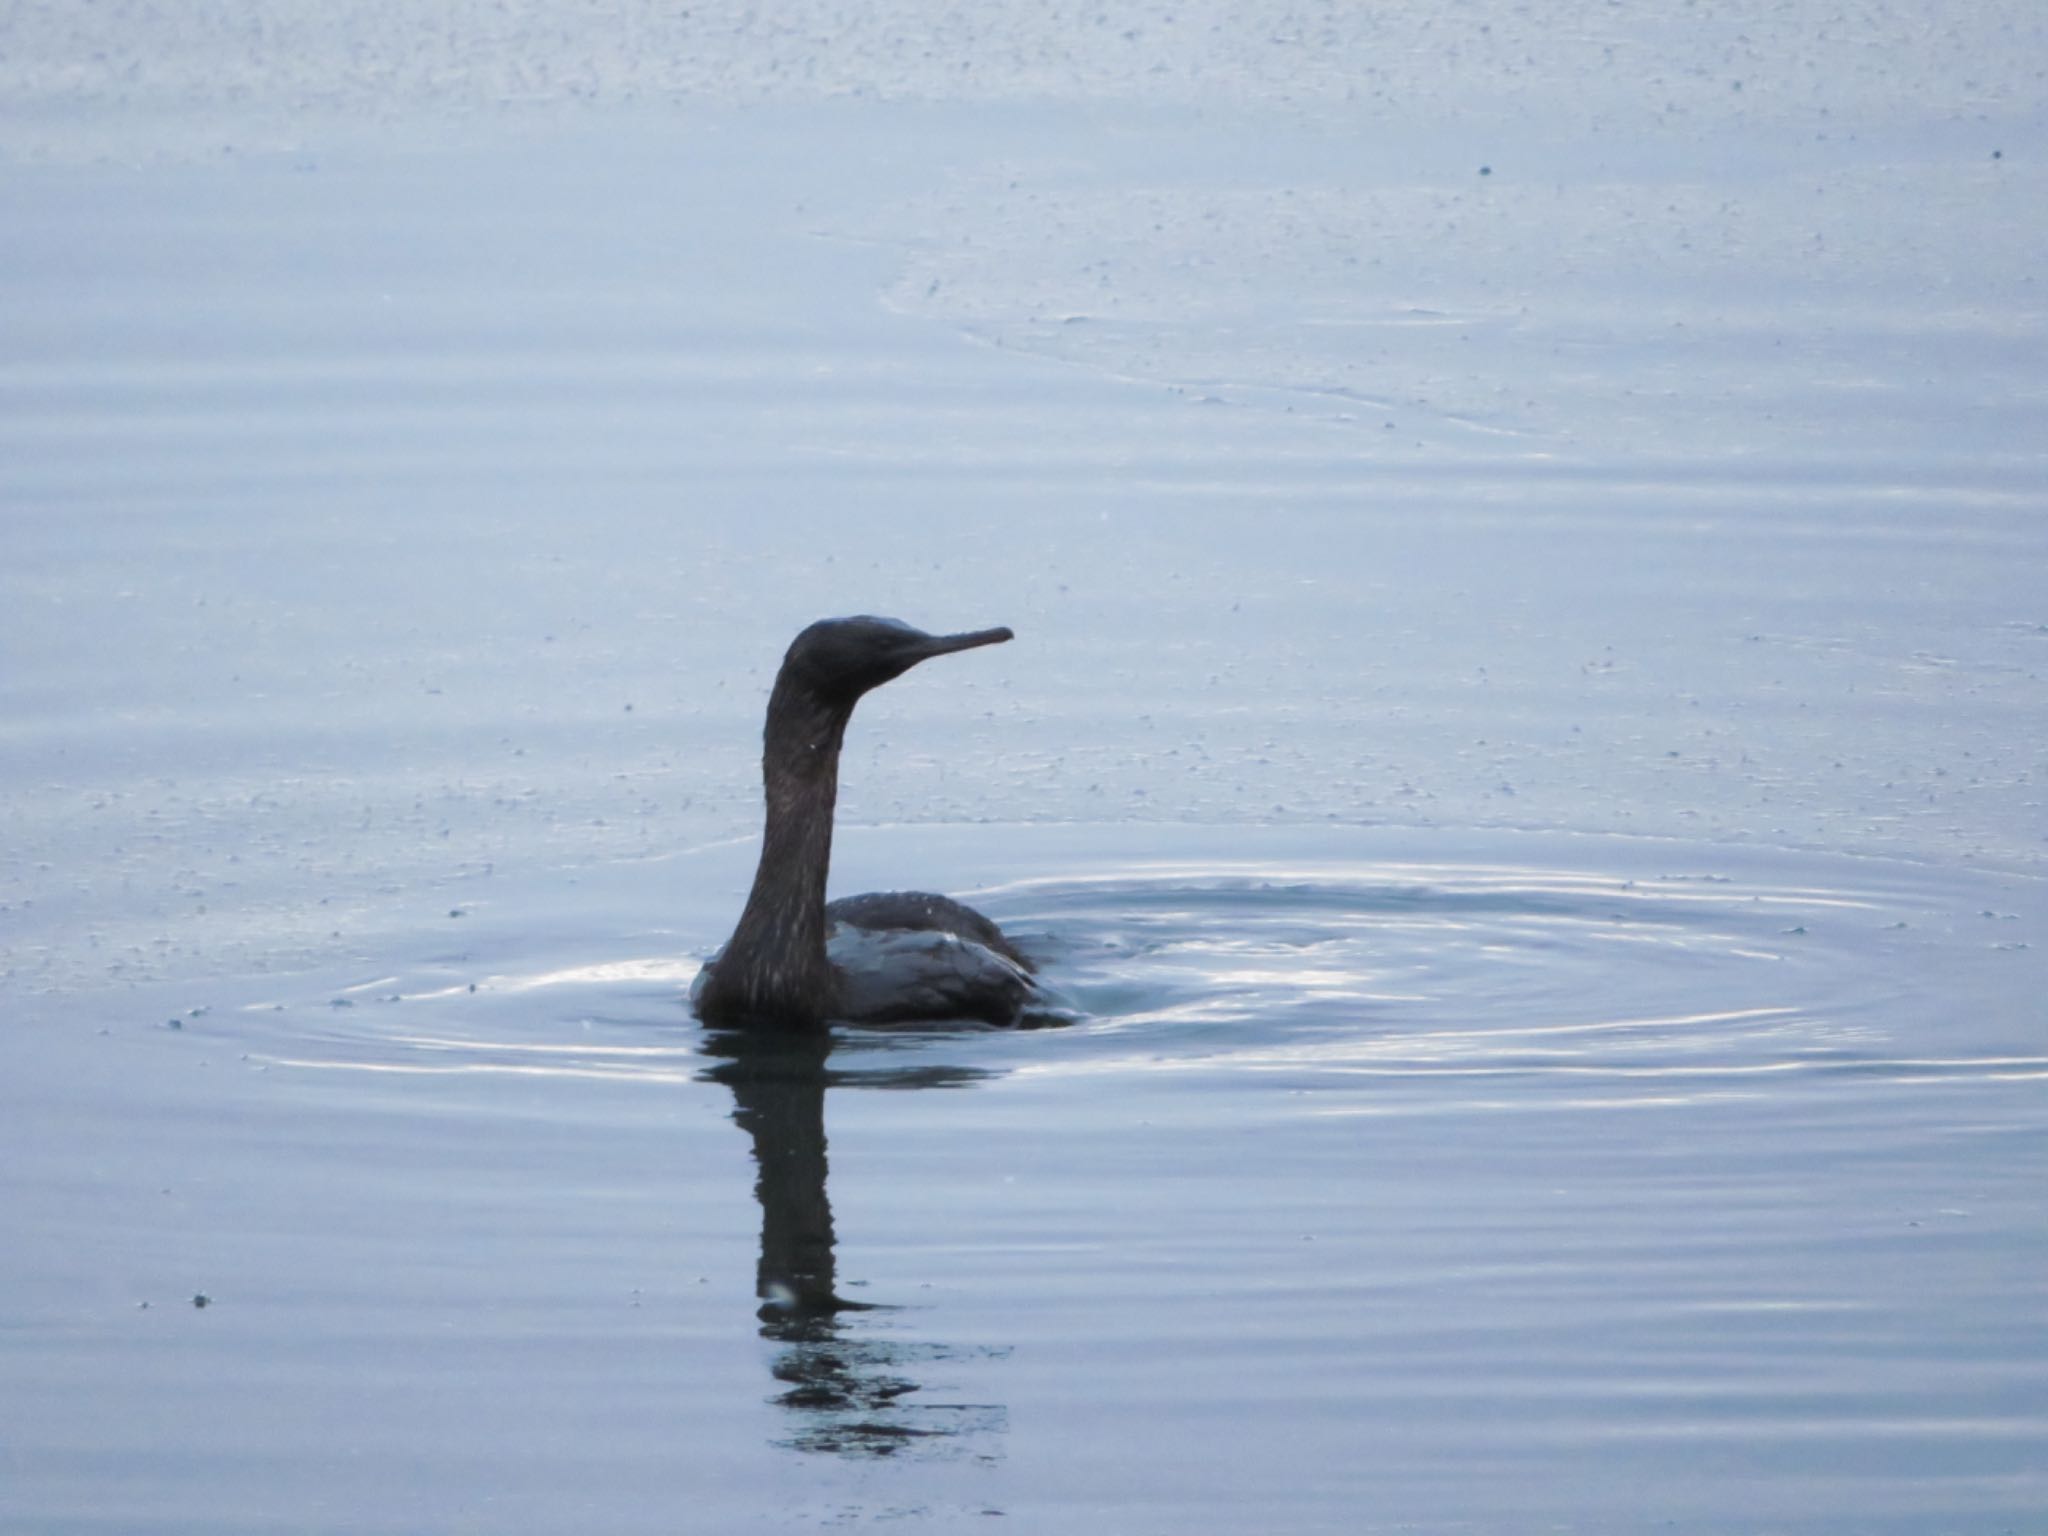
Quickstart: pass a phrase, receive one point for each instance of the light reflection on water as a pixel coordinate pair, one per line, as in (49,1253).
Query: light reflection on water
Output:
(1400,969)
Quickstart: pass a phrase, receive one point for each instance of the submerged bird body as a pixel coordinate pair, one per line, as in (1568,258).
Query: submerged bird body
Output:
(794,961)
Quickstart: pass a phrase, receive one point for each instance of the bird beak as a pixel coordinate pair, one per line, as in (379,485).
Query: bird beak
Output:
(941,645)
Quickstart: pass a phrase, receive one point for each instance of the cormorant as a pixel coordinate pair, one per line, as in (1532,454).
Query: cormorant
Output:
(887,957)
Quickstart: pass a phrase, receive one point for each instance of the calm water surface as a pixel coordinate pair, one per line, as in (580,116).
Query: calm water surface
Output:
(1527,772)
(1388,1181)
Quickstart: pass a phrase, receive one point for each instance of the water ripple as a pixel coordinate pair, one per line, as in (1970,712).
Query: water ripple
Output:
(1643,984)
(1608,971)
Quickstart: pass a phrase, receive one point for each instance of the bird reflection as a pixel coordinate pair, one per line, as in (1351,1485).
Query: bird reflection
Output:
(847,1379)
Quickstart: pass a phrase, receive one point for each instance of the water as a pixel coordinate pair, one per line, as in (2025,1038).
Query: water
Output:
(1522,750)
(1443,1176)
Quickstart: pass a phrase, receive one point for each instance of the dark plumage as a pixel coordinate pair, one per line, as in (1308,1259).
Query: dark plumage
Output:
(888,957)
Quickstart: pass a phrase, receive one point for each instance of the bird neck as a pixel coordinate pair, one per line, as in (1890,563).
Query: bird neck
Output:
(777,953)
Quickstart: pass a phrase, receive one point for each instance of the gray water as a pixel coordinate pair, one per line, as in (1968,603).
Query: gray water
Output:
(1392,1181)
(1522,751)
